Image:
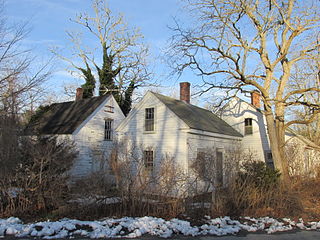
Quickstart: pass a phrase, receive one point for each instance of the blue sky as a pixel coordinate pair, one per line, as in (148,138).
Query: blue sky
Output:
(50,19)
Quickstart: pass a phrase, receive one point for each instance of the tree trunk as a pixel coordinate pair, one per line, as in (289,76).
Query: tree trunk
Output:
(281,141)
(276,146)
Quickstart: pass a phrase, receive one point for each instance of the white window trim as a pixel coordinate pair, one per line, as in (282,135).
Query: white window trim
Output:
(245,127)
(221,150)
(111,130)
(154,120)
(153,159)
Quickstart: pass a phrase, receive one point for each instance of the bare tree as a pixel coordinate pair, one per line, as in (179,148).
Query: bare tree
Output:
(304,76)
(253,45)
(121,65)
(19,84)
(20,88)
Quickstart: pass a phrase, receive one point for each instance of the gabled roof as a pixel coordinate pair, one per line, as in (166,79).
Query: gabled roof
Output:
(64,118)
(241,101)
(198,118)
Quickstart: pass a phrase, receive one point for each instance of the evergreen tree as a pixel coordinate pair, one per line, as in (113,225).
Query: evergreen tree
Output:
(107,75)
(89,86)
(127,101)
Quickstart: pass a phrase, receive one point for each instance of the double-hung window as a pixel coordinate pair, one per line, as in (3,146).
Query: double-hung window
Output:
(148,160)
(149,120)
(108,129)
(248,126)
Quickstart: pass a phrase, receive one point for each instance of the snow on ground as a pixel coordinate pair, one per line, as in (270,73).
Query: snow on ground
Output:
(135,227)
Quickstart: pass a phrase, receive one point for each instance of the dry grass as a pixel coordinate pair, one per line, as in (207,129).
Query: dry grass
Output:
(307,189)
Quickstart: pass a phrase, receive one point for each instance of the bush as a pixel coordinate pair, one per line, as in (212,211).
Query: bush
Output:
(259,175)
(257,190)
(38,180)
(129,188)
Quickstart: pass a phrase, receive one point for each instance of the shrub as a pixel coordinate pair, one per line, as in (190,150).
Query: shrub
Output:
(136,190)
(258,174)
(38,180)
(257,190)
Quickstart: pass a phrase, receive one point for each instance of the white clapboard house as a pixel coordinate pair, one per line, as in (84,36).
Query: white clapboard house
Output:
(162,126)
(89,123)
(248,119)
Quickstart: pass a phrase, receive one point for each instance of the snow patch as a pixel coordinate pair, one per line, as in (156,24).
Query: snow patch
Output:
(128,227)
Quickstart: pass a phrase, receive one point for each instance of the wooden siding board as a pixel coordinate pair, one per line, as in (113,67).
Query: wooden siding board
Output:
(89,138)
(168,138)
(235,112)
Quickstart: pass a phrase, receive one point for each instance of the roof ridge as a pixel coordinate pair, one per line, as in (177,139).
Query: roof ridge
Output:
(196,117)
(187,104)
(93,97)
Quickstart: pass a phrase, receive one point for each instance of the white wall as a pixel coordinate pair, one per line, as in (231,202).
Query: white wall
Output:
(169,136)
(235,112)
(227,145)
(89,138)
(302,160)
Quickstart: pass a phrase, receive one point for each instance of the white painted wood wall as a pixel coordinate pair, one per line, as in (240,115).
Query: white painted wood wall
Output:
(235,113)
(171,136)
(89,138)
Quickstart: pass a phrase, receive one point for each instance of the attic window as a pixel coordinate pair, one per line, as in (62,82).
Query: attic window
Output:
(149,120)
(108,129)
(109,108)
(248,126)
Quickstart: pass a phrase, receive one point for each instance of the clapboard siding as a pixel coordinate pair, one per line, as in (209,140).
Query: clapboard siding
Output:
(169,137)
(172,136)
(89,138)
(210,145)
(235,113)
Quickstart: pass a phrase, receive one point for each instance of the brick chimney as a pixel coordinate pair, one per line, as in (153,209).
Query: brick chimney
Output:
(255,99)
(79,94)
(185,92)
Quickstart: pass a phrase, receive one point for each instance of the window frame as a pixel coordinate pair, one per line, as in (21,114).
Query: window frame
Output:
(149,122)
(248,126)
(108,129)
(148,164)
(219,167)
(269,159)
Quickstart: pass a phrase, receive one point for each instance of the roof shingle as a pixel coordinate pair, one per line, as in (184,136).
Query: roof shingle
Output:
(64,118)
(198,118)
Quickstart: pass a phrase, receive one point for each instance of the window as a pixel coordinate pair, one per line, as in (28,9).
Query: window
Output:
(108,129)
(219,167)
(269,159)
(201,154)
(148,160)
(248,126)
(109,109)
(149,120)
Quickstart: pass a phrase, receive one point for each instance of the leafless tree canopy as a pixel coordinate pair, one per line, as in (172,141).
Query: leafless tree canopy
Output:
(253,45)
(20,78)
(118,50)
(305,76)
